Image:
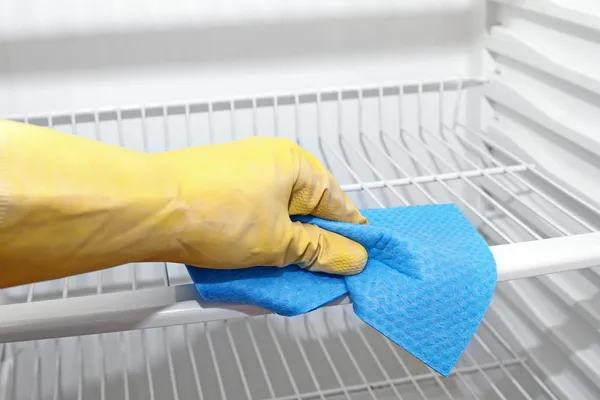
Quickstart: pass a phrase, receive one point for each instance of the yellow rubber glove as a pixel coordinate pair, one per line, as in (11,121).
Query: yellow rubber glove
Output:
(70,205)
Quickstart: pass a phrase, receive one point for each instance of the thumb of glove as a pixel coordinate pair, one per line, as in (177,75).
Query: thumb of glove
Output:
(320,250)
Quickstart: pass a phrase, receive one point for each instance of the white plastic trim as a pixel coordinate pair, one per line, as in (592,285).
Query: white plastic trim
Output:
(553,10)
(510,97)
(507,44)
(177,305)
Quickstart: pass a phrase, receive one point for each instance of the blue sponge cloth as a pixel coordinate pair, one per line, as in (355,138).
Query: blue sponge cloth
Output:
(427,284)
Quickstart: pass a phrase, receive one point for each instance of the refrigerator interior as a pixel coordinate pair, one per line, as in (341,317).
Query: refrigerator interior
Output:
(491,106)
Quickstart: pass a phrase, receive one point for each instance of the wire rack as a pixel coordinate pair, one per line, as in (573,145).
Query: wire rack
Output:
(388,145)
(259,358)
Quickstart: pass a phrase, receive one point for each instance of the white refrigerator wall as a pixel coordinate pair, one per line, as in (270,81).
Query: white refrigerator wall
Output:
(544,99)
(72,54)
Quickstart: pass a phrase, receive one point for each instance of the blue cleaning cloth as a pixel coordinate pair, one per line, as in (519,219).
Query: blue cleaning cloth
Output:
(426,286)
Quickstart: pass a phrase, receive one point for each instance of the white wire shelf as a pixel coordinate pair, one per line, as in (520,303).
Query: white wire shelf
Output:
(389,145)
(259,358)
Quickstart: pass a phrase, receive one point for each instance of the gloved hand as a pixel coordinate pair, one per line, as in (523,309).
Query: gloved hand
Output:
(70,205)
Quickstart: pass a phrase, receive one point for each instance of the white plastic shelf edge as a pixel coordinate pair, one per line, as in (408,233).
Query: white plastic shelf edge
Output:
(177,305)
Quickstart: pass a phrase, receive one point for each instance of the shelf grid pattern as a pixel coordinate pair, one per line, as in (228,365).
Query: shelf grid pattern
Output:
(258,358)
(389,145)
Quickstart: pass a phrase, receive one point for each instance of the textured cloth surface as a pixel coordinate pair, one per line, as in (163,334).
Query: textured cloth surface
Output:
(427,284)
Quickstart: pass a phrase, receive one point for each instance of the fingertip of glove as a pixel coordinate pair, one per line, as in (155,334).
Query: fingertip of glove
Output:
(350,259)
(360,219)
